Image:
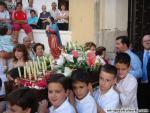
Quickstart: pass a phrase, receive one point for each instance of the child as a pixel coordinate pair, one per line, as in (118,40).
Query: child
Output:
(4,17)
(6,47)
(84,102)
(22,100)
(107,98)
(127,83)
(100,53)
(6,43)
(90,46)
(57,95)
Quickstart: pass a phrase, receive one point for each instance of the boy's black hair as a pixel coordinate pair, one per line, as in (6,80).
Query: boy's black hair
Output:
(24,97)
(80,75)
(123,58)
(52,19)
(124,40)
(59,78)
(18,3)
(32,10)
(3,4)
(109,69)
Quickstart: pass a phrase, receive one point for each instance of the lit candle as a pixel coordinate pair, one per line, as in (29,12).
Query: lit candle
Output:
(37,69)
(28,70)
(25,75)
(43,68)
(32,69)
(19,72)
(38,62)
(45,63)
(50,62)
(35,72)
(33,59)
(29,76)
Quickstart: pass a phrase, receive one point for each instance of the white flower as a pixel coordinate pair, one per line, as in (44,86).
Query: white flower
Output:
(60,61)
(68,57)
(67,71)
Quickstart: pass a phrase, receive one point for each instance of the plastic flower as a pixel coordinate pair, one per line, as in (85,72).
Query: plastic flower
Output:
(75,54)
(91,57)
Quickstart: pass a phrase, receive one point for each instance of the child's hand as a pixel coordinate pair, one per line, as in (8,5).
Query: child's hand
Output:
(43,106)
(71,97)
(47,28)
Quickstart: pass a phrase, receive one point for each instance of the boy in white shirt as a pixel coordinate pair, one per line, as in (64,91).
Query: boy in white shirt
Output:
(5,17)
(126,83)
(84,102)
(107,98)
(57,95)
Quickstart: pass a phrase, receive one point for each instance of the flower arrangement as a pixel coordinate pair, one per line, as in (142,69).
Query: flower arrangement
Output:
(74,57)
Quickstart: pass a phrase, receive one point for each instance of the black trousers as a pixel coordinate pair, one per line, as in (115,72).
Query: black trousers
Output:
(63,26)
(143,96)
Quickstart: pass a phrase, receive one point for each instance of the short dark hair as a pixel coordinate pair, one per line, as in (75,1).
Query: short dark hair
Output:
(3,4)
(124,40)
(23,97)
(59,78)
(99,50)
(38,44)
(18,3)
(80,75)
(52,19)
(32,10)
(123,58)
(109,69)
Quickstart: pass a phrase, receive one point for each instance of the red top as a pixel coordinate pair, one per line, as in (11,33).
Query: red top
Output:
(19,15)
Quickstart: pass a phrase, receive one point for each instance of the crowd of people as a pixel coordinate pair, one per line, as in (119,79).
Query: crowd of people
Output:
(123,84)
(12,13)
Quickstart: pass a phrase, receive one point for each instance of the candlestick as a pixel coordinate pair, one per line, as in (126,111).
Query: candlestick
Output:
(25,75)
(35,77)
(37,69)
(50,61)
(28,70)
(19,72)
(31,65)
(43,68)
(38,62)
(29,76)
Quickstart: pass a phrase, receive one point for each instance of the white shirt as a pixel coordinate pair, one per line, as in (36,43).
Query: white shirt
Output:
(100,59)
(65,107)
(2,76)
(63,14)
(54,13)
(4,15)
(86,105)
(107,101)
(128,92)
